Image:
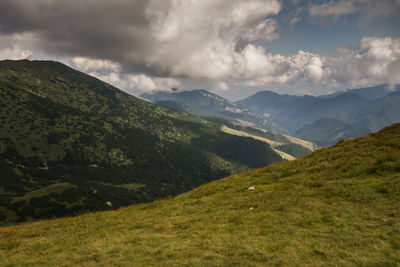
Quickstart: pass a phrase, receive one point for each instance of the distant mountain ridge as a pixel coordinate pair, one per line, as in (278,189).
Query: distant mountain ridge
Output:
(370,108)
(328,131)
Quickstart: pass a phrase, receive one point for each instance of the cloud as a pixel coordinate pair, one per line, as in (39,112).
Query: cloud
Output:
(9,49)
(314,70)
(369,9)
(90,65)
(138,83)
(378,8)
(332,9)
(376,61)
(112,73)
(170,38)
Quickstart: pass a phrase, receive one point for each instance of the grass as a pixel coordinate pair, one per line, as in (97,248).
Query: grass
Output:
(337,206)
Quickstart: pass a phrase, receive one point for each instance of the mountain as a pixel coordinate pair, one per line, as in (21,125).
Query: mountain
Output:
(268,103)
(294,112)
(232,117)
(328,131)
(336,206)
(206,104)
(380,112)
(370,108)
(373,92)
(70,143)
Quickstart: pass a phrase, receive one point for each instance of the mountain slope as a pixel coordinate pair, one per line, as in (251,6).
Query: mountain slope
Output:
(380,112)
(328,131)
(336,206)
(206,104)
(373,92)
(294,112)
(220,110)
(268,102)
(70,143)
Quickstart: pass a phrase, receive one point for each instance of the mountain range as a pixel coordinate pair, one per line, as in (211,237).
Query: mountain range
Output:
(321,119)
(357,111)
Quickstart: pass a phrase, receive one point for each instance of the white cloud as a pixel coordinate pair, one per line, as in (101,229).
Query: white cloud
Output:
(377,61)
(15,53)
(9,48)
(89,65)
(221,86)
(314,70)
(136,84)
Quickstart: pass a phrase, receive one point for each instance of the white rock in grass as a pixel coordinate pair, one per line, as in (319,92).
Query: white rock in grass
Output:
(251,208)
(252,188)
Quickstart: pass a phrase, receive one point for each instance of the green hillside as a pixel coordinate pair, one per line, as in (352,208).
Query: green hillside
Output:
(336,206)
(70,143)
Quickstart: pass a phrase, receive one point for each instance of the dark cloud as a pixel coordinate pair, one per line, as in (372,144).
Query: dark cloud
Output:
(155,37)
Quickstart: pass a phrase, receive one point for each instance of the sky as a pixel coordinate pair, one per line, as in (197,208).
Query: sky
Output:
(231,47)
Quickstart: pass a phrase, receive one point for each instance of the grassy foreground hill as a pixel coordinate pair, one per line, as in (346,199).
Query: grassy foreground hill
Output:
(336,206)
(70,143)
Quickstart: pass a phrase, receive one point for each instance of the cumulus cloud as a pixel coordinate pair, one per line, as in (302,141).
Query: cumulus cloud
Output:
(377,60)
(93,65)
(313,69)
(137,83)
(112,73)
(198,39)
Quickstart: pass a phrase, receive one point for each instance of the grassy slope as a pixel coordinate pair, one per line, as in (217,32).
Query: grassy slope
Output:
(337,206)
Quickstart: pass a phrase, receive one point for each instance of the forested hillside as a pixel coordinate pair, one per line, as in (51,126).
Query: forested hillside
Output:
(70,143)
